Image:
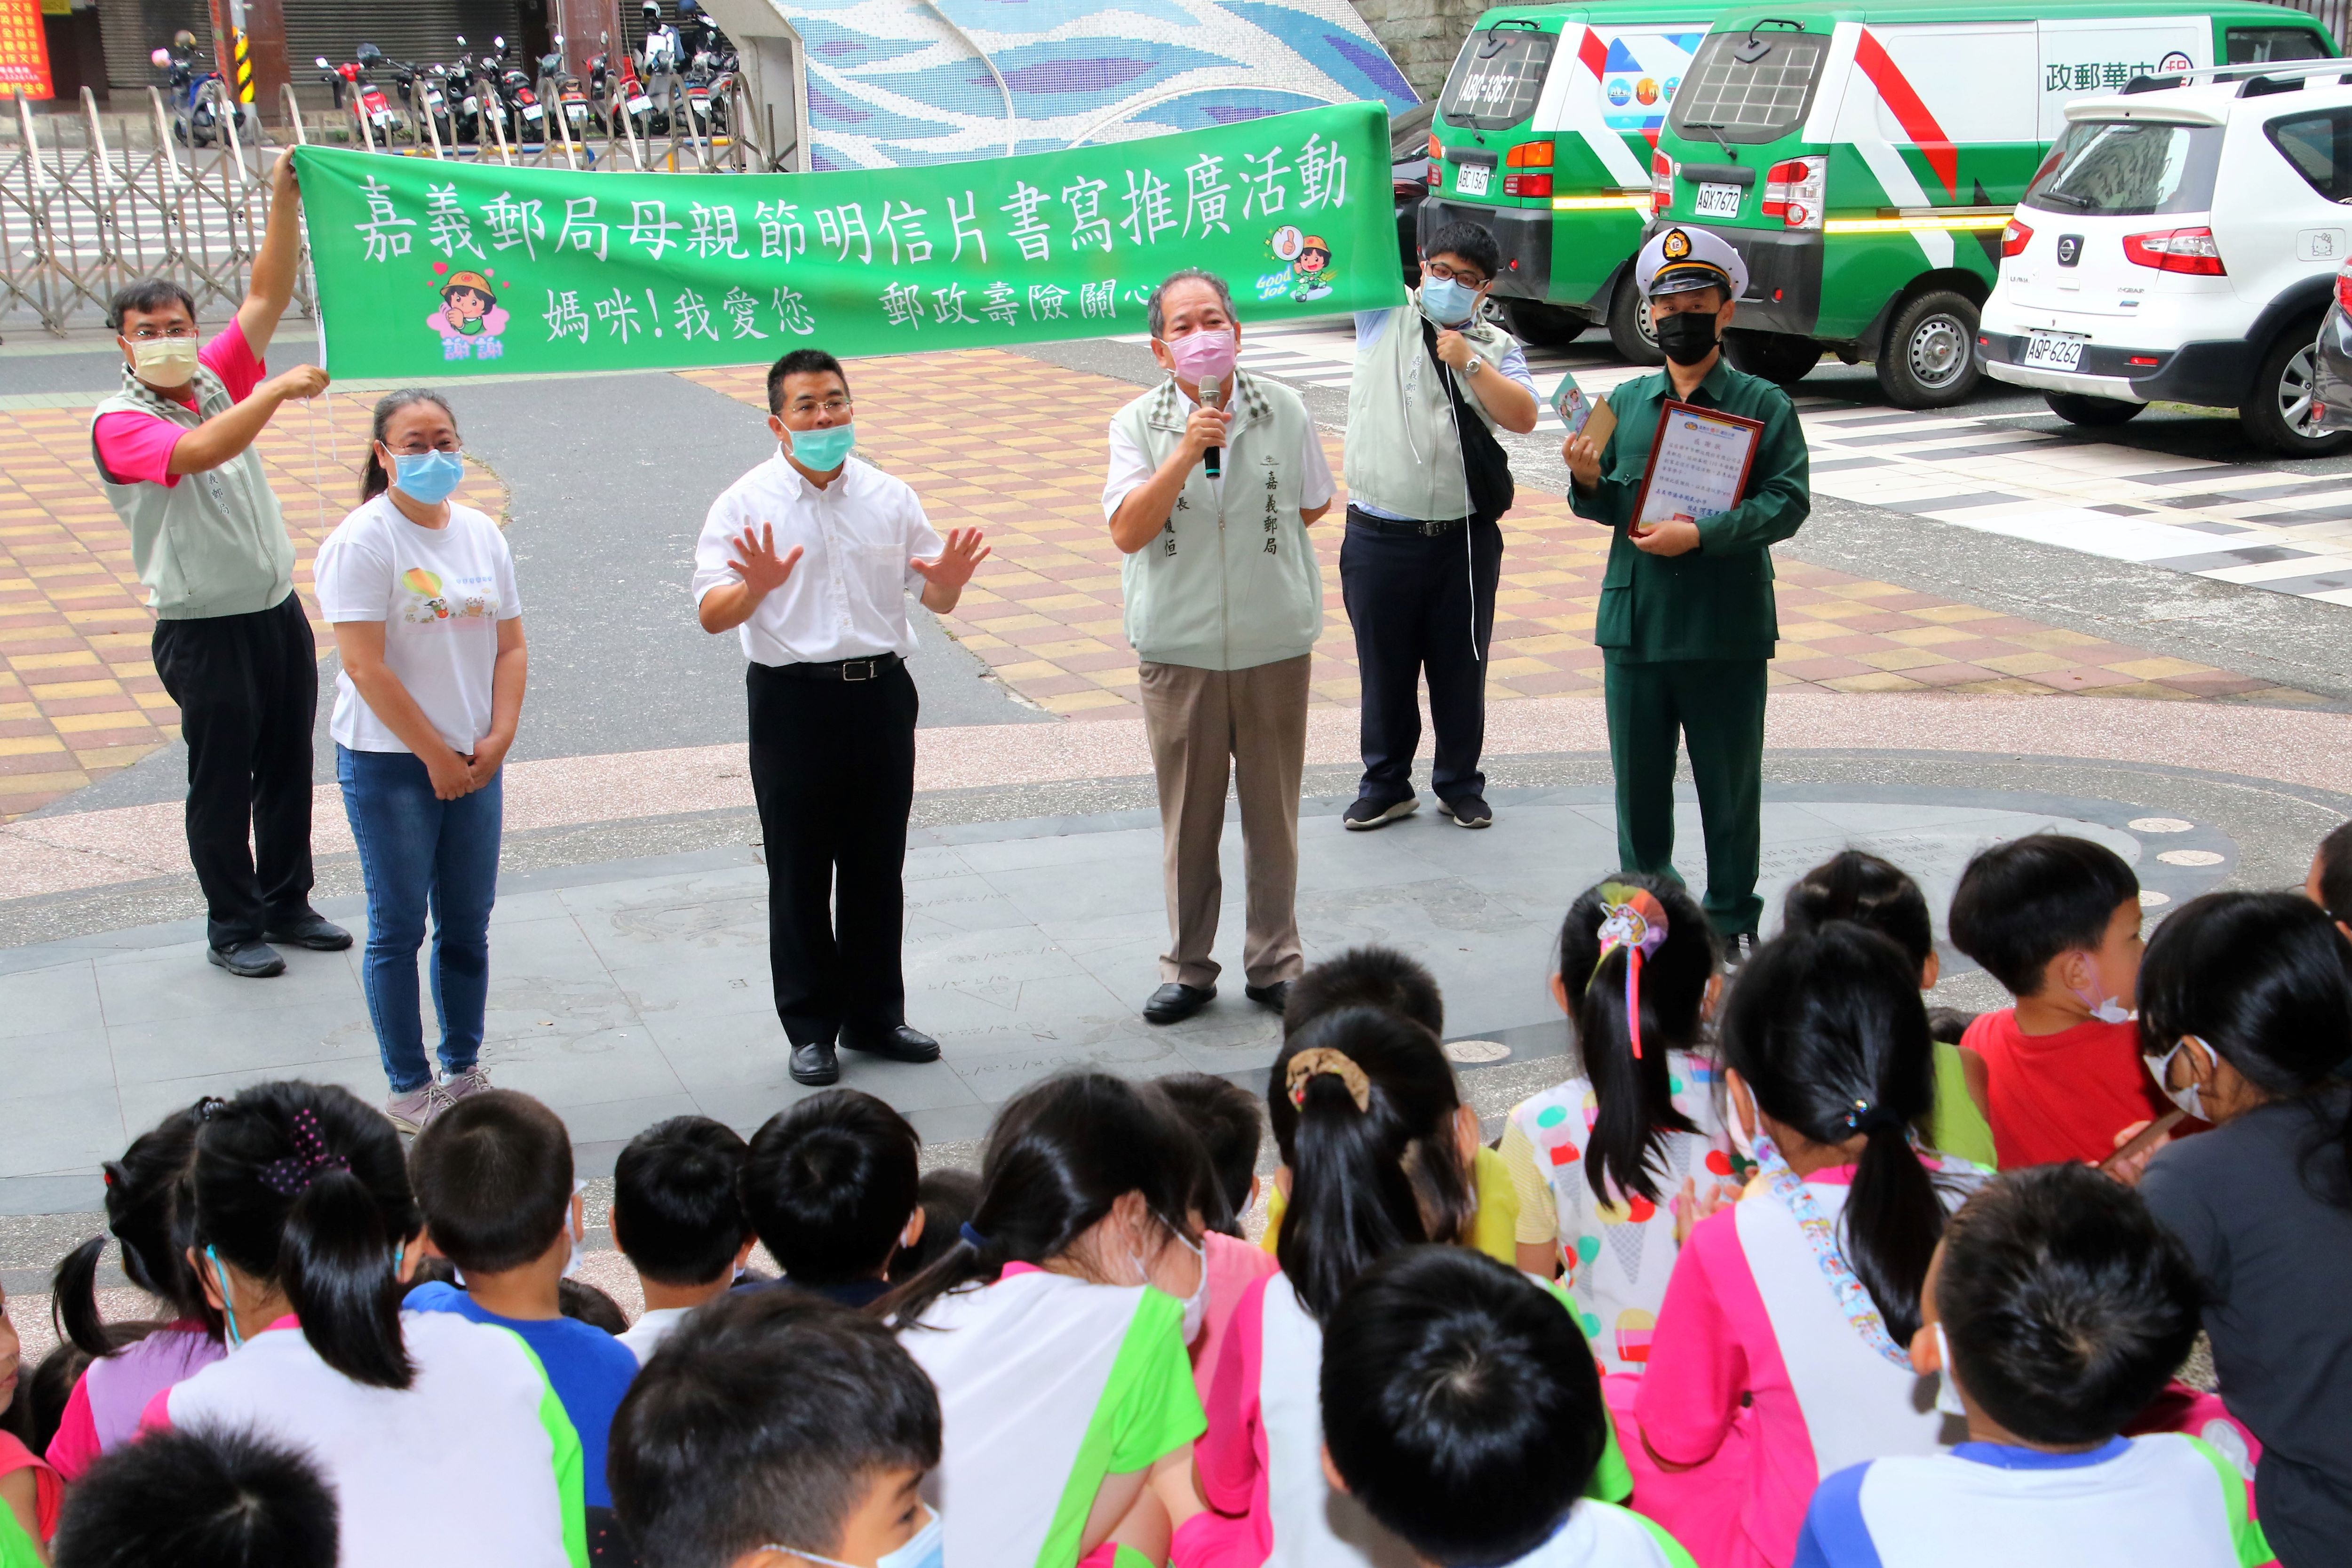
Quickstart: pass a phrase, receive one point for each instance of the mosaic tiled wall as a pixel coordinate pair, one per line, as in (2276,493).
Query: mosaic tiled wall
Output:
(890,85)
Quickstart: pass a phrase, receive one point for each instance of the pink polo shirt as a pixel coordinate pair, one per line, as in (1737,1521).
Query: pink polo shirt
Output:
(138,447)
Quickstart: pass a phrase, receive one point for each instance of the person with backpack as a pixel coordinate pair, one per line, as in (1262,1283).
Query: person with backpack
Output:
(1427,482)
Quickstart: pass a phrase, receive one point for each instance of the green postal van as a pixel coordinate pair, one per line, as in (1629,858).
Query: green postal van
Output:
(1865,158)
(1543,135)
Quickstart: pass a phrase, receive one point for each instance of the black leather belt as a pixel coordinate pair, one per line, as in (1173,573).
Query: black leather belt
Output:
(1358,518)
(849,669)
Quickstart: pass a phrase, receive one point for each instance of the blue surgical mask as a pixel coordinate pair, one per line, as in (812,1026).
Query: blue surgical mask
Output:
(822,451)
(427,476)
(1446,302)
(927,1548)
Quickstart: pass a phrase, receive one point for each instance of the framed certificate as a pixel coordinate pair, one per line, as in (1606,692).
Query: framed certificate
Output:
(1699,460)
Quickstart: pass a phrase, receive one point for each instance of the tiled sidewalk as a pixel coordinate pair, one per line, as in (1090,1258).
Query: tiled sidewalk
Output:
(1015,446)
(78,696)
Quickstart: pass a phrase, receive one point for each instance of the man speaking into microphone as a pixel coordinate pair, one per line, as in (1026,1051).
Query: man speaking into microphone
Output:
(1215,477)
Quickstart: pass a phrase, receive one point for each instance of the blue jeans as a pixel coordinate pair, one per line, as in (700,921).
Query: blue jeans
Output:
(419,852)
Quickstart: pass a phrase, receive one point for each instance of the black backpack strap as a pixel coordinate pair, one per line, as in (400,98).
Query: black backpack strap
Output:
(1485,464)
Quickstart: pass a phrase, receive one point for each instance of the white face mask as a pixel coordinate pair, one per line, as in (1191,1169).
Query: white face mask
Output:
(1196,1305)
(2105,1009)
(2190,1100)
(1948,1398)
(1742,1139)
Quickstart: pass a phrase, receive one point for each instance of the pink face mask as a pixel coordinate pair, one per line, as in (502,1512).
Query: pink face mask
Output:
(1203,354)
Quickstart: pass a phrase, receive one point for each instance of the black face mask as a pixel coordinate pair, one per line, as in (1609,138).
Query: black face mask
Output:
(1686,337)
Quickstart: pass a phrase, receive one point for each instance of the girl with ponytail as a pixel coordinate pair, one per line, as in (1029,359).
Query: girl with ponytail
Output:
(149,1211)
(1376,1156)
(1054,1328)
(1855,884)
(2246,1022)
(1781,1355)
(1613,1165)
(304,1238)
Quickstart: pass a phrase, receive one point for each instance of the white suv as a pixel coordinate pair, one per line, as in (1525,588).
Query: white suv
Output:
(2180,244)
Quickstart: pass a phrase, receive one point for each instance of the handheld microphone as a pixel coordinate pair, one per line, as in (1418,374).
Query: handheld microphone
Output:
(1212,395)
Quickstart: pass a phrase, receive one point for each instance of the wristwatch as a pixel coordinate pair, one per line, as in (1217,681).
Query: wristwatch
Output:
(1476,365)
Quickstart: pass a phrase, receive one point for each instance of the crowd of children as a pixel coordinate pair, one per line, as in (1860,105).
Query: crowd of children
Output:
(1743,1289)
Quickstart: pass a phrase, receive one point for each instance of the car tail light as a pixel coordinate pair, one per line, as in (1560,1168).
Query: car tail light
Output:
(1527,185)
(2015,239)
(1529,155)
(1792,192)
(1436,175)
(2344,288)
(2190,251)
(1436,148)
(1661,183)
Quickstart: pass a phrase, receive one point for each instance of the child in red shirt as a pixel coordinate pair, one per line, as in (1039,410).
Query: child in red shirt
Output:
(2056,920)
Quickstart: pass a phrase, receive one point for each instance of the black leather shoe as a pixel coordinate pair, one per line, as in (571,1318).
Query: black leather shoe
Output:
(898,1043)
(1737,949)
(1175,1002)
(311,929)
(1276,996)
(814,1064)
(249,959)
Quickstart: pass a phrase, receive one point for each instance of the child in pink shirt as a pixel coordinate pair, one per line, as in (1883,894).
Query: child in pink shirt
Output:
(1781,1350)
(149,1211)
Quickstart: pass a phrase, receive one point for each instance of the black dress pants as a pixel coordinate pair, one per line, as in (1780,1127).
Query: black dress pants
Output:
(832,767)
(247,687)
(1421,604)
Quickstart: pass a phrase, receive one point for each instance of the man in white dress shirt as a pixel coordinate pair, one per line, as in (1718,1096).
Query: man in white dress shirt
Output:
(809,557)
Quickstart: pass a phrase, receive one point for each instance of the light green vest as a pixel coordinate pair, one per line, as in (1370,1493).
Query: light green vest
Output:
(1403,456)
(213,544)
(1231,583)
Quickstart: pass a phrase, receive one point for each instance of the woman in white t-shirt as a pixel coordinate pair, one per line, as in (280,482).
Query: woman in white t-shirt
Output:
(421,594)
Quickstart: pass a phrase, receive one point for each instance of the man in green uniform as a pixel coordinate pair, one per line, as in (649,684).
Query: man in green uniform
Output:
(1686,623)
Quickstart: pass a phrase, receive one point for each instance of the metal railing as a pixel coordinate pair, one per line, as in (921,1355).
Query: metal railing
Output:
(84,210)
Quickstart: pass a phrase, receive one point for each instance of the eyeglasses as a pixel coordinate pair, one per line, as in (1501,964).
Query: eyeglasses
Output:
(1464,276)
(831,406)
(150,335)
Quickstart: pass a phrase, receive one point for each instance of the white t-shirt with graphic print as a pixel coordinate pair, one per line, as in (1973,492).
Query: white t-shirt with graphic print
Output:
(440,593)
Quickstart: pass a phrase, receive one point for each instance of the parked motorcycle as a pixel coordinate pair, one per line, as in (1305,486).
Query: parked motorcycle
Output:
(374,119)
(425,94)
(622,92)
(561,89)
(199,98)
(662,65)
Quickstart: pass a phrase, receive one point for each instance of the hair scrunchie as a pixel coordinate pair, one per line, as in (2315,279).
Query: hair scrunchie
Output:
(1635,921)
(1320,1060)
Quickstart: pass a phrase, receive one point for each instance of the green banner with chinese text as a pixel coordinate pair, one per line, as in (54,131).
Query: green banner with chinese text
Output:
(434,268)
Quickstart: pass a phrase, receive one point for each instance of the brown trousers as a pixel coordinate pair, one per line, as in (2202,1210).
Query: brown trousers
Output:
(1197,721)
